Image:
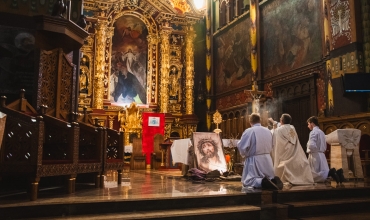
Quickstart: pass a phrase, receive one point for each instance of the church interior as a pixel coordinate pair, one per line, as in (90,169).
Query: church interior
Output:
(95,94)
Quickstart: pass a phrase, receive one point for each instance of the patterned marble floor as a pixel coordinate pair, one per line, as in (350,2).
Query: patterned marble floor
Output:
(147,184)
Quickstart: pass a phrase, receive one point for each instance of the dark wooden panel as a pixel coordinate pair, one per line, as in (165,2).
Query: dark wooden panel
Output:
(299,109)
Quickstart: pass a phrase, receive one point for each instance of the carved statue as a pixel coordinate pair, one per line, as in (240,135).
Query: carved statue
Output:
(84,79)
(174,83)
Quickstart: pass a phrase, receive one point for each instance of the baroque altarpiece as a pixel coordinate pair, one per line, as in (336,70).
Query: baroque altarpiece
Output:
(154,41)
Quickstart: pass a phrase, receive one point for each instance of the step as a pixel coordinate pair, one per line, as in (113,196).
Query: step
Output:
(214,213)
(282,196)
(327,207)
(38,209)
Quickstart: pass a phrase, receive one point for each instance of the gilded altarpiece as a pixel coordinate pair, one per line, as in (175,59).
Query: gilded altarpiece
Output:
(139,36)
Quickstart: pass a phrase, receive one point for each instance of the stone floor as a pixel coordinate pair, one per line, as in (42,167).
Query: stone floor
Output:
(148,184)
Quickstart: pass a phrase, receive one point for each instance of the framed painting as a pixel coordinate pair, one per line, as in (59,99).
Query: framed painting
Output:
(128,76)
(208,150)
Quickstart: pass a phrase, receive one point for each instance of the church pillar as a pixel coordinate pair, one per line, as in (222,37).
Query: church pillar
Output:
(100,39)
(254,13)
(165,66)
(189,85)
(327,27)
(208,62)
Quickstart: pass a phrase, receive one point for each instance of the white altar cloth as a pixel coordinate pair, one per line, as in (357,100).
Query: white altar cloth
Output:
(128,149)
(179,151)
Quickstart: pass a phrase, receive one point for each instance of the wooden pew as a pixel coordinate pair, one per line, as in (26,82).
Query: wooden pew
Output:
(32,149)
(114,154)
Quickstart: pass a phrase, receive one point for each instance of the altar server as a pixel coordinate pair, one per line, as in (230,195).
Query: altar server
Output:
(316,147)
(255,146)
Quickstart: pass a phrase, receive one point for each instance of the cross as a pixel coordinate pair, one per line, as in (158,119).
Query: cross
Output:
(256,95)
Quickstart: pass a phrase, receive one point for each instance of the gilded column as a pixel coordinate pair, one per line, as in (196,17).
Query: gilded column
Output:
(108,48)
(365,7)
(208,62)
(326,53)
(100,39)
(152,68)
(327,27)
(189,85)
(165,66)
(253,32)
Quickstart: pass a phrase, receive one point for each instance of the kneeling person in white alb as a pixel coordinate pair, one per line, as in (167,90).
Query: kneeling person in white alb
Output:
(255,146)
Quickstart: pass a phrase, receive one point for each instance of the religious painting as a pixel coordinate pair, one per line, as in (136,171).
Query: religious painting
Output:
(128,78)
(291,34)
(208,150)
(232,57)
(17,60)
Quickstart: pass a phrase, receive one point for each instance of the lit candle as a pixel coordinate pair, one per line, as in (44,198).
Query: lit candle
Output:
(227,158)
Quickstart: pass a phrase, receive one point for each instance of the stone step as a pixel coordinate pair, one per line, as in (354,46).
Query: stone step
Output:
(320,194)
(214,213)
(327,207)
(38,209)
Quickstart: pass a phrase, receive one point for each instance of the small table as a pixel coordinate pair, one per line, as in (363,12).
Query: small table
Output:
(166,155)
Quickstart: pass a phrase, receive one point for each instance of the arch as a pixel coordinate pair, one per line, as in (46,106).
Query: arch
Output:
(305,88)
(231,115)
(364,126)
(329,129)
(283,94)
(297,90)
(151,24)
(290,92)
(175,134)
(346,125)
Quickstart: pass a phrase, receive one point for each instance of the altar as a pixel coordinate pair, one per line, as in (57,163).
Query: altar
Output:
(345,152)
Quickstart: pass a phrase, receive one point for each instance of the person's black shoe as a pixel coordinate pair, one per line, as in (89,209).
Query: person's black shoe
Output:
(276,180)
(333,174)
(268,184)
(340,175)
